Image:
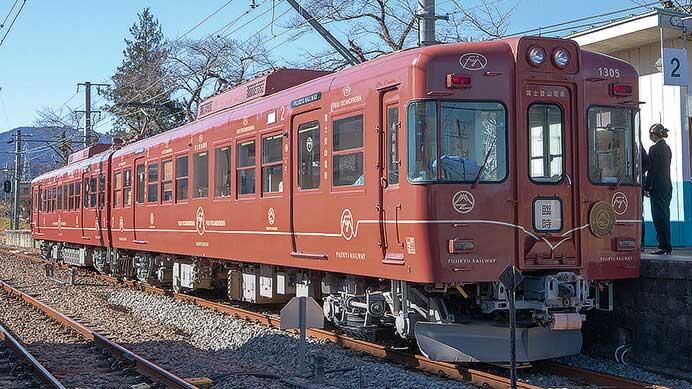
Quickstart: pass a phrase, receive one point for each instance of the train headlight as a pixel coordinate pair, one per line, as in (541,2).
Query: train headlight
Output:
(561,57)
(536,56)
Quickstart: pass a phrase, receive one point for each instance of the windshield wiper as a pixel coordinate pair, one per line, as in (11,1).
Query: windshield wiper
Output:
(482,167)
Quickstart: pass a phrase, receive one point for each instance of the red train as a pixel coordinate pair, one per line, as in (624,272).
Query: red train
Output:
(396,192)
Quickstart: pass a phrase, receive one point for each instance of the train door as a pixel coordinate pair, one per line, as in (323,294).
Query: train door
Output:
(83,207)
(308,139)
(389,164)
(36,207)
(546,187)
(138,207)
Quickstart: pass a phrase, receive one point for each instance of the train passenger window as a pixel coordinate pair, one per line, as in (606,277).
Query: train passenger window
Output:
(393,145)
(102,190)
(71,196)
(92,192)
(127,188)
(53,198)
(200,178)
(60,197)
(309,155)
(422,141)
(611,150)
(545,143)
(222,171)
(246,167)
(153,183)
(77,194)
(167,180)
(117,189)
(139,188)
(181,173)
(347,160)
(64,197)
(272,164)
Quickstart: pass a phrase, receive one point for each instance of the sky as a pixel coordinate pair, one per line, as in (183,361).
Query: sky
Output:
(56,44)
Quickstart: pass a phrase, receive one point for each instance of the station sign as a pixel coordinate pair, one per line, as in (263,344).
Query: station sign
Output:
(675,67)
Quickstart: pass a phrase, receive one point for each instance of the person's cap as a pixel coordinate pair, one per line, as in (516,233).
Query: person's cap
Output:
(658,129)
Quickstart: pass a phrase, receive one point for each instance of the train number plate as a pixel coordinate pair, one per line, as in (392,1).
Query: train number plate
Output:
(547,214)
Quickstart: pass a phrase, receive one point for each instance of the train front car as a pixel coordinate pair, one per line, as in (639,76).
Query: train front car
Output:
(520,153)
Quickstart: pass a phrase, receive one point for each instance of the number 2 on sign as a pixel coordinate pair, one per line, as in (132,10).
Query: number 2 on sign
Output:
(609,72)
(676,67)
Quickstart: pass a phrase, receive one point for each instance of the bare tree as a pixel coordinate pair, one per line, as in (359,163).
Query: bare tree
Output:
(208,66)
(378,27)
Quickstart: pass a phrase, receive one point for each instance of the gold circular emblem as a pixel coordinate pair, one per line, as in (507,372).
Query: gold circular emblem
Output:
(602,219)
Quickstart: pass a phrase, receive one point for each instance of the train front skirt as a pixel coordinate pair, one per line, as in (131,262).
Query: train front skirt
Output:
(488,343)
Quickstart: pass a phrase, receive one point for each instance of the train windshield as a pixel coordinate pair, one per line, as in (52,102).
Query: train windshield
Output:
(467,143)
(611,146)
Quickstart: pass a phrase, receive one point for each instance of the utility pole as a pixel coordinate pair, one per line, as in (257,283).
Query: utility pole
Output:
(17,176)
(426,22)
(87,109)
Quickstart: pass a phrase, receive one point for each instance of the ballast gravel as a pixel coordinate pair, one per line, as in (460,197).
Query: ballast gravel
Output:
(193,341)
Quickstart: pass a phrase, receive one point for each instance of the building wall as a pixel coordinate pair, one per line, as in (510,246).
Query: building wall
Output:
(668,105)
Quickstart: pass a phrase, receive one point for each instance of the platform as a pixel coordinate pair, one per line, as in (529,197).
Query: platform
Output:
(679,254)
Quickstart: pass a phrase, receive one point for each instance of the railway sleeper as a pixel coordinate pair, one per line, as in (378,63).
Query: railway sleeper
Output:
(448,322)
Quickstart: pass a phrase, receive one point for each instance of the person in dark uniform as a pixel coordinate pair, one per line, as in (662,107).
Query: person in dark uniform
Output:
(659,187)
(645,168)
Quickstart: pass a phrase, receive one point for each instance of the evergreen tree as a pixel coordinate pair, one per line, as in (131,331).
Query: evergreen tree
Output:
(142,88)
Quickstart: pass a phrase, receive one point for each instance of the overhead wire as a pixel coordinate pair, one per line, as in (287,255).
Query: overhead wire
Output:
(2,25)
(16,15)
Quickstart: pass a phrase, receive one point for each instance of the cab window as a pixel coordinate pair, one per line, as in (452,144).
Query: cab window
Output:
(545,143)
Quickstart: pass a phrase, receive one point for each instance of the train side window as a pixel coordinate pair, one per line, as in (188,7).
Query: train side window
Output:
(64,197)
(422,141)
(200,175)
(71,196)
(272,164)
(102,190)
(153,183)
(77,194)
(167,180)
(182,167)
(60,197)
(393,145)
(347,163)
(545,143)
(309,155)
(222,171)
(127,188)
(246,167)
(117,189)
(53,198)
(92,192)
(139,195)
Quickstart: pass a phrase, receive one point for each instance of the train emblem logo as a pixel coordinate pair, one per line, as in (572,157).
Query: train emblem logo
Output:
(348,230)
(308,144)
(199,221)
(473,61)
(463,201)
(347,90)
(619,203)
(271,217)
(121,224)
(151,218)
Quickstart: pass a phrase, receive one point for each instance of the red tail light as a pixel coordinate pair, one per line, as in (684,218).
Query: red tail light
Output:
(456,81)
(620,90)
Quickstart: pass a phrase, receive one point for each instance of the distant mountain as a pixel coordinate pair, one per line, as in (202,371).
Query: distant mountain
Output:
(40,157)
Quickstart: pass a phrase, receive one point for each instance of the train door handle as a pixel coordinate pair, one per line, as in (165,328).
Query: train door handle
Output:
(569,179)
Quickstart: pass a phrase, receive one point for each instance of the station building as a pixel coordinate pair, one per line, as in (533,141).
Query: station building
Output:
(640,40)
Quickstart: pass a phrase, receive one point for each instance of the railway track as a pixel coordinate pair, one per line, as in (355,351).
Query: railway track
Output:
(19,369)
(477,376)
(79,356)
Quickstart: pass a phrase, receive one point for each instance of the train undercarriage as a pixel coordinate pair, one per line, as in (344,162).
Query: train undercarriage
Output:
(448,322)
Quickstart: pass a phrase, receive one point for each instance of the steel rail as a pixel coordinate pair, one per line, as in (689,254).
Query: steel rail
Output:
(142,365)
(39,371)
(592,377)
